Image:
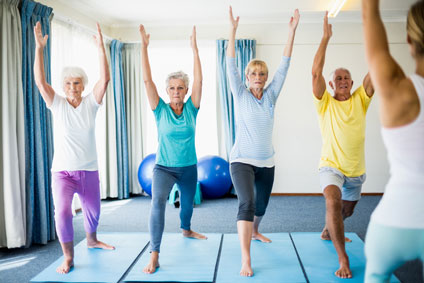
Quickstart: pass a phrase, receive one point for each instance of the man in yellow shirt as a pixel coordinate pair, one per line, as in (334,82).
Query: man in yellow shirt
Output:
(342,165)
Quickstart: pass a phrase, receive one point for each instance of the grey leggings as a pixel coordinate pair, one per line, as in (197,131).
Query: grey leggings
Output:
(253,186)
(164,179)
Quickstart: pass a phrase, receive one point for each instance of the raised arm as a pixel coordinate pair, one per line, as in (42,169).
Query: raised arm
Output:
(47,92)
(318,81)
(152,93)
(196,93)
(368,86)
(395,89)
(231,48)
(294,21)
(100,87)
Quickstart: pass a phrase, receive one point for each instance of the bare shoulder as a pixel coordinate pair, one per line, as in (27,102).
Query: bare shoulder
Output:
(401,104)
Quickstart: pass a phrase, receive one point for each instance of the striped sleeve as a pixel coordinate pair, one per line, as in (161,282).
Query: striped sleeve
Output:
(280,76)
(236,84)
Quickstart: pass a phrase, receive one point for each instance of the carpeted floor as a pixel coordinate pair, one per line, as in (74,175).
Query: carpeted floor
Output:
(284,214)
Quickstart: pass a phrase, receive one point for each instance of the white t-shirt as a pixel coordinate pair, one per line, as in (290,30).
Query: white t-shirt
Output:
(74,134)
(403,202)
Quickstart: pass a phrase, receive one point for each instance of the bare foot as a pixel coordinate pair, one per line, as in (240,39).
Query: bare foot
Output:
(258,236)
(344,271)
(246,269)
(192,234)
(325,235)
(65,267)
(100,245)
(153,263)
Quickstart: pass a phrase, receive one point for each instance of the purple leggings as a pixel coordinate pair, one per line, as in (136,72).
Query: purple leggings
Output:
(64,185)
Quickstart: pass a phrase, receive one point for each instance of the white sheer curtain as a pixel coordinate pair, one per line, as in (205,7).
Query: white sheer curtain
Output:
(73,45)
(135,99)
(170,56)
(12,150)
(106,140)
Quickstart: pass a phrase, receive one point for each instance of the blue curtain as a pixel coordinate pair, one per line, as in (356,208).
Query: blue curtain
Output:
(38,130)
(245,51)
(121,124)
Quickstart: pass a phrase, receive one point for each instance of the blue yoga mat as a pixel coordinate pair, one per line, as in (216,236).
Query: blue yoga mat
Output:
(271,262)
(181,260)
(320,260)
(97,265)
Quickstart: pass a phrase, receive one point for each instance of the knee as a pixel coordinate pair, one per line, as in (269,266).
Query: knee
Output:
(260,210)
(373,274)
(347,212)
(246,211)
(333,202)
(63,214)
(158,200)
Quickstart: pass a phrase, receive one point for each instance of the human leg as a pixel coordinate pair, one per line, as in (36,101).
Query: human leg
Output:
(187,184)
(162,183)
(63,189)
(264,180)
(244,230)
(89,194)
(387,248)
(243,178)
(335,227)
(351,193)
(329,176)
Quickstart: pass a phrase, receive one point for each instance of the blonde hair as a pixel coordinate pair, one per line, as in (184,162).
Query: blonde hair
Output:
(415,26)
(256,64)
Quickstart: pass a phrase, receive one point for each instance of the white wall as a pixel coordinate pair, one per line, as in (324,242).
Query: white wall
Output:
(297,139)
(67,12)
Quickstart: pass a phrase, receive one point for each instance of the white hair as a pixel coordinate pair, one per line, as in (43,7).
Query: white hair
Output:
(74,72)
(180,75)
(331,77)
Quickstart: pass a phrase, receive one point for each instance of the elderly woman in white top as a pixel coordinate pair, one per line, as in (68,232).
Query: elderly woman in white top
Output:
(74,168)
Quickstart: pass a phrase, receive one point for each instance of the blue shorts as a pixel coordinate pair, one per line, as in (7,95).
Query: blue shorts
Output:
(350,186)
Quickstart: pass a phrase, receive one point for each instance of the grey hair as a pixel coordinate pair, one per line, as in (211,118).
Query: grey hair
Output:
(331,77)
(180,75)
(74,72)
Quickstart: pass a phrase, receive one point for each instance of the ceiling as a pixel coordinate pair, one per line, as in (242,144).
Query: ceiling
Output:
(179,12)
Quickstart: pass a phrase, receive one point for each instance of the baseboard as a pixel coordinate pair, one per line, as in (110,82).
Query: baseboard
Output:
(318,194)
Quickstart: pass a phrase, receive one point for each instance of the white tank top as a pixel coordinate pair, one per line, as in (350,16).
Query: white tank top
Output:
(403,202)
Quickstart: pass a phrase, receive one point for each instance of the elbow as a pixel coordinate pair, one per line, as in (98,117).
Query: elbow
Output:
(198,81)
(105,81)
(39,83)
(315,74)
(316,71)
(147,82)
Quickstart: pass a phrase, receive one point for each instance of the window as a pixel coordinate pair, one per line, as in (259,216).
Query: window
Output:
(73,46)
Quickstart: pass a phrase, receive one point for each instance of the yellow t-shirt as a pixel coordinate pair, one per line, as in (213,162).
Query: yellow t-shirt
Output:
(342,125)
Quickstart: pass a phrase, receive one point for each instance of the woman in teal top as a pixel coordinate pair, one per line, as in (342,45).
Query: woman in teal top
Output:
(176,160)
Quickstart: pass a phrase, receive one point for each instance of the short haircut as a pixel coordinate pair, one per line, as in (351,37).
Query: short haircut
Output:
(74,72)
(180,75)
(331,77)
(255,64)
